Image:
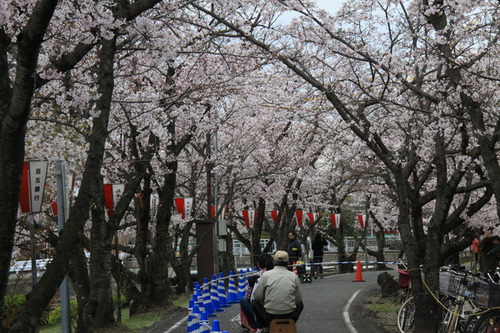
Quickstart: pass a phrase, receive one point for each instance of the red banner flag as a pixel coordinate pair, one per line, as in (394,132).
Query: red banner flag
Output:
(24,195)
(361,219)
(274,215)
(246,218)
(333,220)
(179,204)
(53,206)
(184,206)
(112,194)
(313,217)
(108,198)
(249,216)
(298,215)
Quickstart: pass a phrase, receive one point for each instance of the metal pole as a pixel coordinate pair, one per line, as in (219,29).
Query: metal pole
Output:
(31,220)
(62,213)
(220,220)
(118,283)
(250,232)
(213,232)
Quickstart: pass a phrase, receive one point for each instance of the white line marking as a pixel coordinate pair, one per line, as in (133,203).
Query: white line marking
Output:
(177,324)
(345,313)
(236,319)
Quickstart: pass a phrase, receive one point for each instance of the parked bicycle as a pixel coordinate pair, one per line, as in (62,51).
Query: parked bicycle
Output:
(487,296)
(406,313)
(458,309)
(468,302)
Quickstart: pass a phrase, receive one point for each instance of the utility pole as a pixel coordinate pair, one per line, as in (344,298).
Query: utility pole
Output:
(62,214)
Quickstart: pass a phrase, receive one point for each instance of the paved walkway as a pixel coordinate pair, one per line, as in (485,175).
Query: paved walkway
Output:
(331,305)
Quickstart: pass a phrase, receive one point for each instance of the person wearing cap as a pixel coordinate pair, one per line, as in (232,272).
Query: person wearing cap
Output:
(277,295)
(265,263)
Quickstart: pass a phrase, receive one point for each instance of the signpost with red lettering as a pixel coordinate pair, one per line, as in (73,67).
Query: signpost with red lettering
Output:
(31,199)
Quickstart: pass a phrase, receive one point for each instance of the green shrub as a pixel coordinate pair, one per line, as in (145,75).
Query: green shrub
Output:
(11,308)
(124,302)
(55,315)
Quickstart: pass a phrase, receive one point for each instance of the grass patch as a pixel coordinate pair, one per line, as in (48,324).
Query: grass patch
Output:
(140,321)
(182,301)
(131,325)
(383,307)
(51,328)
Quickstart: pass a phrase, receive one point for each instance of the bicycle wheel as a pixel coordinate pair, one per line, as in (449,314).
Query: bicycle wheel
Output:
(470,323)
(406,315)
(445,314)
(488,323)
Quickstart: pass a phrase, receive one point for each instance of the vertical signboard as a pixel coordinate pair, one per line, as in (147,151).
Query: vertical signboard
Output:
(32,186)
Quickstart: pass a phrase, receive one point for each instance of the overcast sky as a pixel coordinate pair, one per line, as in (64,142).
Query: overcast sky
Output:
(330,5)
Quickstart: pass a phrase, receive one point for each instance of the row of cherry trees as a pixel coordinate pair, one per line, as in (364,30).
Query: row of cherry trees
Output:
(388,101)
(414,81)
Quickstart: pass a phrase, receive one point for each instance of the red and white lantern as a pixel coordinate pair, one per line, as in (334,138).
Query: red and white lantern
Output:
(312,217)
(249,216)
(184,206)
(335,219)
(216,209)
(112,194)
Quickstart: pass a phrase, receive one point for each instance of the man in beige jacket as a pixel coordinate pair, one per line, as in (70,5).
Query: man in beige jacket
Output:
(277,294)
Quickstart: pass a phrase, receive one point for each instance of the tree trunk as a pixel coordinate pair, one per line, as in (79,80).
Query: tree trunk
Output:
(15,105)
(380,236)
(182,264)
(43,292)
(227,258)
(155,286)
(81,283)
(142,240)
(98,310)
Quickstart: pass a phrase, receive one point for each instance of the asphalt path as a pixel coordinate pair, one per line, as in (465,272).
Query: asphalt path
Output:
(331,305)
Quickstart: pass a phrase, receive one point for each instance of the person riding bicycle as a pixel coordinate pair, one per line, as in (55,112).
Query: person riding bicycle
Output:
(277,295)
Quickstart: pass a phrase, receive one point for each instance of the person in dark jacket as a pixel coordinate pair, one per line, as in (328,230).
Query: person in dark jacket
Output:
(488,255)
(294,249)
(318,245)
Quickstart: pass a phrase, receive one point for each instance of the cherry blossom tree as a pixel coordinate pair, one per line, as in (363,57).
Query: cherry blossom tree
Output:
(392,98)
(30,21)
(16,93)
(384,71)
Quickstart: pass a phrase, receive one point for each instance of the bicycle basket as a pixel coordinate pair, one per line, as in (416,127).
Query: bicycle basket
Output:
(487,294)
(444,282)
(404,278)
(453,283)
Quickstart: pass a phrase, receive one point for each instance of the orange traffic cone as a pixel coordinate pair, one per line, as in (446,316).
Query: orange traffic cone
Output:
(359,273)
(294,269)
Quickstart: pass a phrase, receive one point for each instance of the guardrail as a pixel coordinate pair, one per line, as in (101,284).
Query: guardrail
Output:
(25,265)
